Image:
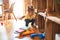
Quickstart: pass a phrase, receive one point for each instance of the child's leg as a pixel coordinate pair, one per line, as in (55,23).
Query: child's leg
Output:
(27,22)
(33,20)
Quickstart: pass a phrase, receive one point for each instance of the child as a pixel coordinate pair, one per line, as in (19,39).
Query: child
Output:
(30,16)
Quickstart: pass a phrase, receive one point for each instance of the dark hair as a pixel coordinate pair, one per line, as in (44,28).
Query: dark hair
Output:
(30,8)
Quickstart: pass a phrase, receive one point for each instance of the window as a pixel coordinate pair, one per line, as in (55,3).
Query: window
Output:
(18,7)
(1,1)
(0,10)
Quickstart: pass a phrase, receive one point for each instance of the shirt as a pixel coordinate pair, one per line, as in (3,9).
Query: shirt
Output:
(30,17)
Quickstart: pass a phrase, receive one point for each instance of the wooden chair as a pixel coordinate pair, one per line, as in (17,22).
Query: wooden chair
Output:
(9,12)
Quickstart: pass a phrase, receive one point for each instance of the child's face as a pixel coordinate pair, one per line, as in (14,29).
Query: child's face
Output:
(30,12)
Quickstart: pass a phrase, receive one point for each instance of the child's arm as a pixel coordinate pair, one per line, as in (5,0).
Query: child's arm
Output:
(21,17)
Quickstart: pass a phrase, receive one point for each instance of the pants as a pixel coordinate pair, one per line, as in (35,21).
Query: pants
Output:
(28,21)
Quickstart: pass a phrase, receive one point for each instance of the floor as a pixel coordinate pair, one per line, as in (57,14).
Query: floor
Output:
(7,32)
(3,34)
(10,34)
(16,25)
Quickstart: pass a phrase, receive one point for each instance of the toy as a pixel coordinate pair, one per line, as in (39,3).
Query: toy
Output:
(41,36)
(20,30)
(26,33)
(30,31)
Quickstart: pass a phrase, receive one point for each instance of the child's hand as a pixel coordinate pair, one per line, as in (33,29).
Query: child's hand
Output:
(21,17)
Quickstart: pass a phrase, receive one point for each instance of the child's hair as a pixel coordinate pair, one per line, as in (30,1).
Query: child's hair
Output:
(30,8)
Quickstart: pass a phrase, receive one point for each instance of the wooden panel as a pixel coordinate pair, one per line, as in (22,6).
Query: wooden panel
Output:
(41,5)
(51,29)
(34,3)
(50,5)
(53,11)
(27,3)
